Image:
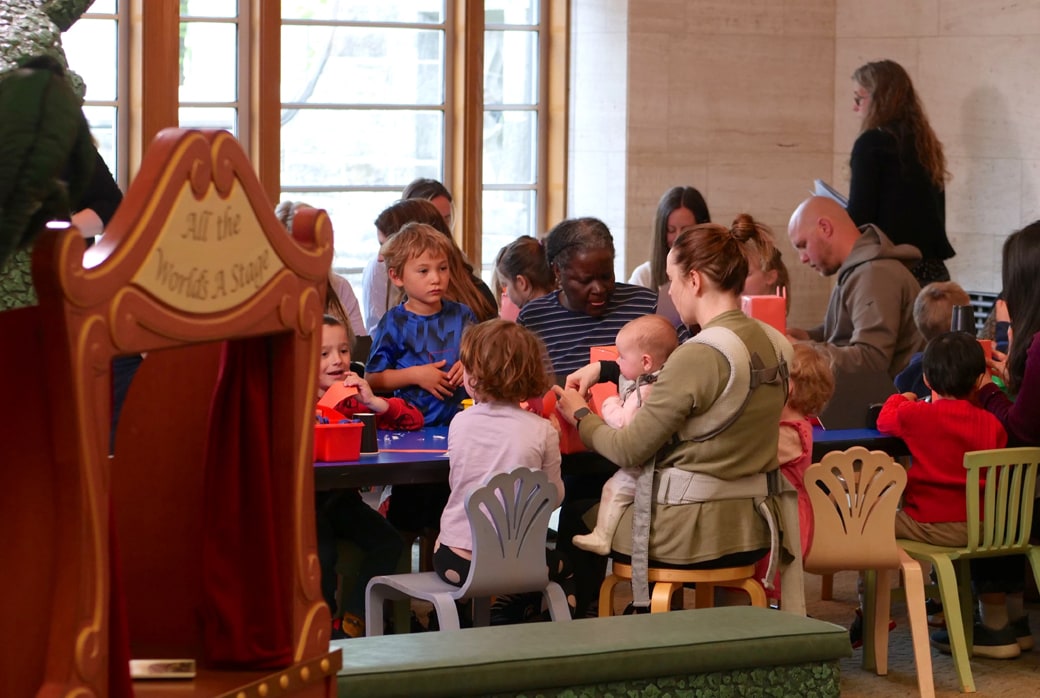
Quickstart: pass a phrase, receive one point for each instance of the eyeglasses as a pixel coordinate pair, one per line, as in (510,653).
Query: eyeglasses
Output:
(858,98)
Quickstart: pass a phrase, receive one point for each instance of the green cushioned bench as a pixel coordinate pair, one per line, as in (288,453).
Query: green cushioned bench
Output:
(753,651)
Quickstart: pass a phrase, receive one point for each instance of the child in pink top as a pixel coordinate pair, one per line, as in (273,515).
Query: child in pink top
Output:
(502,366)
(643,346)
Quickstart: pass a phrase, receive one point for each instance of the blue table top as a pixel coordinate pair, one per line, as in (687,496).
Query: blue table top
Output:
(409,457)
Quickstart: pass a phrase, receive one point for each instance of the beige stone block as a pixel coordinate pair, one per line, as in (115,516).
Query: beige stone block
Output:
(769,186)
(977,264)
(659,16)
(887,18)
(989,109)
(772,95)
(984,195)
(650,91)
(809,17)
(988,18)
(1030,191)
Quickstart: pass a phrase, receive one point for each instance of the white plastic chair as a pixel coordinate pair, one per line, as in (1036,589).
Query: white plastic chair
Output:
(509,519)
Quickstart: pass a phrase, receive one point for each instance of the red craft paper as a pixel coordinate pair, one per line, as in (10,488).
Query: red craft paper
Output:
(336,394)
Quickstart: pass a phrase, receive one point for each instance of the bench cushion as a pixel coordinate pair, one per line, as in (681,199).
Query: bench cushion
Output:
(583,652)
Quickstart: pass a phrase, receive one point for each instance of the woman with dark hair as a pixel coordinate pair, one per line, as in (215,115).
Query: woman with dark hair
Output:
(999,582)
(898,168)
(678,208)
(586,309)
(710,424)
(434,192)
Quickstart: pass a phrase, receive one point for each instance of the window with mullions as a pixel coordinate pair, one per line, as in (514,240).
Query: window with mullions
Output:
(211,91)
(364,95)
(92,46)
(514,99)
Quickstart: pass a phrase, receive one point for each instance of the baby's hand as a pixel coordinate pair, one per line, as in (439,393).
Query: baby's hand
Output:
(433,380)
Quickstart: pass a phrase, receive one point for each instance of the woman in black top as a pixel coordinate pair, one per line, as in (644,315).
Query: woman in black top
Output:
(898,168)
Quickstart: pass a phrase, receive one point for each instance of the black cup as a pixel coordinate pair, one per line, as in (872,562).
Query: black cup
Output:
(963,319)
(369,440)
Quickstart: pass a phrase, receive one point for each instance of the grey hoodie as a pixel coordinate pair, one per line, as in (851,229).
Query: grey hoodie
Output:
(869,326)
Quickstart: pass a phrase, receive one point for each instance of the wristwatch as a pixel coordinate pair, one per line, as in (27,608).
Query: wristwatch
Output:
(580,414)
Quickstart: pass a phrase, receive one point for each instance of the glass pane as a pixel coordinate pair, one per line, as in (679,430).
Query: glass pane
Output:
(209,117)
(510,67)
(360,148)
(209,8)
(353,216)
(90,46)
(105,7)
(510,147)
(507,216)
(412,11)
(357,65)
(209,62)
(511,11)
(102,122)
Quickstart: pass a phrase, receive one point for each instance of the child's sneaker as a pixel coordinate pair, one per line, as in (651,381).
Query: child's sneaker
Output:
(1023,636)
(990,643)
(934,609)
(856,629)
(349,626)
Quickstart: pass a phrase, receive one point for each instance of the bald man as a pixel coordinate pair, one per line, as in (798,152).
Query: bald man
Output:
(869,327)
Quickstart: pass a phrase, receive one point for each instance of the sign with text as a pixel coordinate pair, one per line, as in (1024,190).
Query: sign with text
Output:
(211,255)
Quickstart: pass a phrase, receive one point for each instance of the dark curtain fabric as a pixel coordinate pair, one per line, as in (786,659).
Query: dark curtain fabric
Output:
(245,611)
(119,684)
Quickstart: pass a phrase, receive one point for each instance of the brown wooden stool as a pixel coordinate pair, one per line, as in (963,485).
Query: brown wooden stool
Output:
(667,581)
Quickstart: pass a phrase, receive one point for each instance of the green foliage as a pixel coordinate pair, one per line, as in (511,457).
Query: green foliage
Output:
(46,154)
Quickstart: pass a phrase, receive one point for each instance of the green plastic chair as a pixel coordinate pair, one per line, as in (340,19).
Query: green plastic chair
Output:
(1009,475)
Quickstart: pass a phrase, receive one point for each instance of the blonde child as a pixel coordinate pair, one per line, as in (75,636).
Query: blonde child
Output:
(643,346)
(933,313)
(502,366)
(342,514)
(415,354)
(810,386)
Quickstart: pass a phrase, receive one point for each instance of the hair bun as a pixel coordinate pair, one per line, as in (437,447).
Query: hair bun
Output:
(743,227)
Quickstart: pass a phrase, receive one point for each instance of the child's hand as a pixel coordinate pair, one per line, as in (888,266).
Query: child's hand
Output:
(455,374)
(911,396)
(434,380)
(997,364)
(365,394)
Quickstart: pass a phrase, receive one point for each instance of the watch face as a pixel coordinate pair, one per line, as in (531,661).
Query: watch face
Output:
(582,412)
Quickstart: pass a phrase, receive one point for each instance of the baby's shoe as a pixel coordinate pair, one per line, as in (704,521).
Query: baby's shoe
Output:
(593,542)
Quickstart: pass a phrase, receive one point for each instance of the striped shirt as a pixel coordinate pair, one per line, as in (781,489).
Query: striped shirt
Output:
(568,335)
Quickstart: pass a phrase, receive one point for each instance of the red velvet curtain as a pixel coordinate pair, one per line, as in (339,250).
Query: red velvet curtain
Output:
(245,612)
(119,684)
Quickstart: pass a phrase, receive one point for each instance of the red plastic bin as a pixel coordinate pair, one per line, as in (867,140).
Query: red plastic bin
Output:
(337,442)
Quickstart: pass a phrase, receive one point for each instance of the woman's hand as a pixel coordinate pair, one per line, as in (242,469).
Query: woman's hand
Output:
(569,401)
(432,379)
(583,379)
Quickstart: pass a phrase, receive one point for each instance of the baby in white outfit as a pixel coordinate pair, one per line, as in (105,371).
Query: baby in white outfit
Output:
(643,346)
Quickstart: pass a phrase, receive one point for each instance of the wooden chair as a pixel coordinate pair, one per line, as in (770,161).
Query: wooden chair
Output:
(509,519)
(1007,508)
(854,496)
(667,581)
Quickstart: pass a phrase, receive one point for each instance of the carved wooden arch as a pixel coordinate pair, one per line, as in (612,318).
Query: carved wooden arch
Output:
(194,255)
